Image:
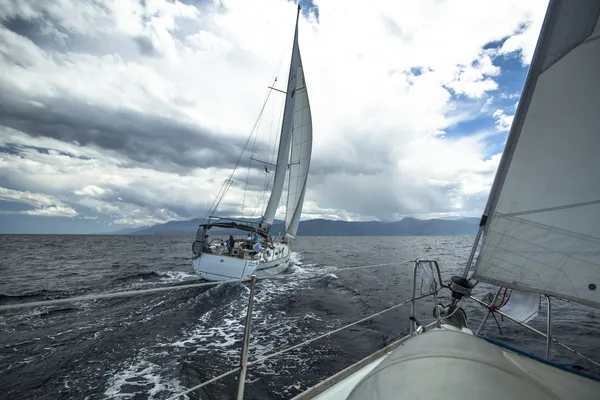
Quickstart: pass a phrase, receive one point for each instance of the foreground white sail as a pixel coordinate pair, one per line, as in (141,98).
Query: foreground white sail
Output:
(213,260)
(542,231)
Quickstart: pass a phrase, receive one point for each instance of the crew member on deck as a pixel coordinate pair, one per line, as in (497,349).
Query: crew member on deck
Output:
(206,244)
(230,244)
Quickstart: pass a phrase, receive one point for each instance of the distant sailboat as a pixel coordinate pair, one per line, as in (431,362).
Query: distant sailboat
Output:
(212,260)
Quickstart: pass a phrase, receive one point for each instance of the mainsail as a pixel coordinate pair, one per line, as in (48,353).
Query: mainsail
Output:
(541,225)
(301,152)
(283,152)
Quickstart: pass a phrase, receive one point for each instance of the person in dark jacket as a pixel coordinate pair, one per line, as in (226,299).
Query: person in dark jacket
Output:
(230,244)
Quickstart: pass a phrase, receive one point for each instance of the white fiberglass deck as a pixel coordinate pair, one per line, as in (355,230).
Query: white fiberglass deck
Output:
(446,364)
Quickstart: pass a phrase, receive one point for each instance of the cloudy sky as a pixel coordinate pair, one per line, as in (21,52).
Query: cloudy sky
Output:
(123,113)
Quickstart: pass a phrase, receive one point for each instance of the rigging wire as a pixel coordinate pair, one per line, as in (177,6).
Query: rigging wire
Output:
(255,130)
(131,293)
(269,178)
(213,208)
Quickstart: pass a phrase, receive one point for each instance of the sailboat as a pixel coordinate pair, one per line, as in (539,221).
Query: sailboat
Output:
(260,254)
(539,235)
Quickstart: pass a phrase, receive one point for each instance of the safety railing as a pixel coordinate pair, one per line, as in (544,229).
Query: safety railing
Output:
(548,335)
(431,284)
(432,288)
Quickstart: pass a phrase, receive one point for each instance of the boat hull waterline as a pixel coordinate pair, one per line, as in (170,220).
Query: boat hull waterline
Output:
(215,267)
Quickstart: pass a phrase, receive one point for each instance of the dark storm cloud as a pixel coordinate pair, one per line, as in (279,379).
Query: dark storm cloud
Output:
(48,29)
(49,35)
(144,196)
(364,157)
(145,45)
(162,142)
(42,32)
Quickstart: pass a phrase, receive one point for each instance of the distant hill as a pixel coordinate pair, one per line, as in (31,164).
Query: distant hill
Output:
(125,231)
(324,227)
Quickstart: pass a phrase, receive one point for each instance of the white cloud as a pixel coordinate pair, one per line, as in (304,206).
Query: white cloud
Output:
(44,205)
(53,211)
(90,190)
(378,151)
(503,121)
(33,199)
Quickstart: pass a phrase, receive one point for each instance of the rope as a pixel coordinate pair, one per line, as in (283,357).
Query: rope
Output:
(211,211)
(373,266)
(131,293)
(112,295)
(497,323)
(260,360)
(493,308)
(554,340)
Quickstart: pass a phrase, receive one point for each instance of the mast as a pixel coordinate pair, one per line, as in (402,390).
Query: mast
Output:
(285,138)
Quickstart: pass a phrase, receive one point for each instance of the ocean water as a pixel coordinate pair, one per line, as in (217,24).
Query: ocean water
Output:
(153,346)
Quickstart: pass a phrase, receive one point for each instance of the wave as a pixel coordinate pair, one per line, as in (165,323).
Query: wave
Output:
(141,378)
(161,277)
(57,311)
(37,295)
(139,276)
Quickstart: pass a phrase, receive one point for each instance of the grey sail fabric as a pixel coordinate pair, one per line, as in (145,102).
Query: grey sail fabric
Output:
(285,139)
(542,232)
(300,154)
(575,23)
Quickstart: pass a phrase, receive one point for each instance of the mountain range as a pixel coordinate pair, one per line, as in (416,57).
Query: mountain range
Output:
(323,227)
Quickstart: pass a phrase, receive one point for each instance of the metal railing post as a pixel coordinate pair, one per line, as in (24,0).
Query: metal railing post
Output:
(436,309)
(412,300)
(548,328)
(246,342)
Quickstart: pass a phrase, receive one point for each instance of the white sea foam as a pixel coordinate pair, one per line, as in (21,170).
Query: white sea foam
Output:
(219,330)
(142,374)
(177,276)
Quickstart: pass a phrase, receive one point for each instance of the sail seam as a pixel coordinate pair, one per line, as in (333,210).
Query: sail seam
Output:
(505,250)
(545,66)
(535,245)
(554,208)
(518,286)
(563,231)
(533,282)
(590,39)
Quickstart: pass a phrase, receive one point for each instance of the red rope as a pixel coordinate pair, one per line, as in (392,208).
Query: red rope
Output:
(497,323)
(493,308)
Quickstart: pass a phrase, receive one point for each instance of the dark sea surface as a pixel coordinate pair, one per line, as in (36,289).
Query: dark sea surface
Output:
(153,346)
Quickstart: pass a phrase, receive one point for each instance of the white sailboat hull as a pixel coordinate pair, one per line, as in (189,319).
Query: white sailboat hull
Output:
(215,267)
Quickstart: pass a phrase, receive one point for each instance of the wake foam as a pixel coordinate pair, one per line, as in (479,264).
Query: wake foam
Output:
(219,330)
(141,377)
